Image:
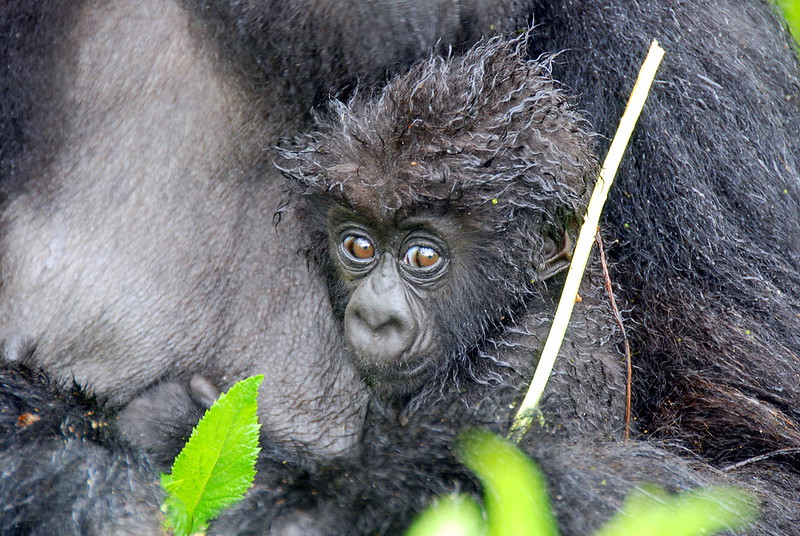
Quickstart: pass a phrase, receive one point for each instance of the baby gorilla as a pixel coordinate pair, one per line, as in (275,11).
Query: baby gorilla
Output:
(441,213)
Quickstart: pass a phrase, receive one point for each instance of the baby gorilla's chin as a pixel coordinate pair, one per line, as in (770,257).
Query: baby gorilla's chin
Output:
(396,380)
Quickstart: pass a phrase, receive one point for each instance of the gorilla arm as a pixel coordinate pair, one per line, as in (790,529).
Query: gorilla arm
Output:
(146,249)
(65,471)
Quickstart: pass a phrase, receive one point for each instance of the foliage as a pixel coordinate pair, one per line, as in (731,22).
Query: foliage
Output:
(515,490)
(516,502)
(791,10)
(652,511)
(450,515)
(217,465)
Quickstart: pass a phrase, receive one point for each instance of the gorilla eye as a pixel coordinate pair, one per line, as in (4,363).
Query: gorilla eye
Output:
(358,247)
(421,257)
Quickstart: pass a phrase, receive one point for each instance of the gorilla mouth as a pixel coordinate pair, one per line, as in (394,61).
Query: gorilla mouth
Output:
(400,377)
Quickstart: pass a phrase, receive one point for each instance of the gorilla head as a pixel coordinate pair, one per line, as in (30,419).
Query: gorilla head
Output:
(438,210)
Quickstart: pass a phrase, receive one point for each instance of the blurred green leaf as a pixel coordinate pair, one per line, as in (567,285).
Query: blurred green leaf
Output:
(451,515)
(515,491)
(517,502)
(217,465)
(651,511)
(791,10)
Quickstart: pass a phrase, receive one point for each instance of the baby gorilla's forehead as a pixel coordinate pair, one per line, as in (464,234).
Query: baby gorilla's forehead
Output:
(410,188)
(436,216)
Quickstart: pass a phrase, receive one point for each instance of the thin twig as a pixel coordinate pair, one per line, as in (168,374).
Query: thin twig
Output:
(529,408)
(754,459)
(618,318)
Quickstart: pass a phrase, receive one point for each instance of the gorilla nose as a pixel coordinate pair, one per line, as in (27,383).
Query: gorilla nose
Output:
(380,329)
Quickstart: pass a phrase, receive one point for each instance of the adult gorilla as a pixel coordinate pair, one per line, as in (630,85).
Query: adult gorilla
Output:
(138,208)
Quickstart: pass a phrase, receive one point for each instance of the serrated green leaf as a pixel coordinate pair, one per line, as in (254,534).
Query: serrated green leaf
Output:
(217,465)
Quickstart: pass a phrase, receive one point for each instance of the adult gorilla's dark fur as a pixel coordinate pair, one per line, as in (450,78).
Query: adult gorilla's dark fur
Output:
(705,224)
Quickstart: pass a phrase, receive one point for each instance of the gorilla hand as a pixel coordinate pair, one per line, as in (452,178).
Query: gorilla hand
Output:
(161,419)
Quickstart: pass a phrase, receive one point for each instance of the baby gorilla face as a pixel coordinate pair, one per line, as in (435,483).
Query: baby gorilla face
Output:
(393,274)
(417,288)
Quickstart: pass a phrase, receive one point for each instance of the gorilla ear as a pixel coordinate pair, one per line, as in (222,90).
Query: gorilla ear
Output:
(557,256)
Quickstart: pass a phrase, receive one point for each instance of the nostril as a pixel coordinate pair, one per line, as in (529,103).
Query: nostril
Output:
(379,322)
(391,326)
(378,334)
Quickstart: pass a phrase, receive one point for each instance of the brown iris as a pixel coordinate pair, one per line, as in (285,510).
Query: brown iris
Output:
(421,257)
(358,247)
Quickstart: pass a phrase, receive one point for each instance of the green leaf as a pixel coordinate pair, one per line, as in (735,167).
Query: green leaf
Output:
(653,512)
(450,515)
(217,465)
(516,499)
(515,491)
(791,10)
